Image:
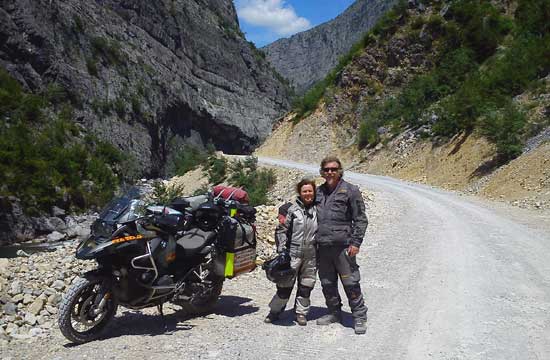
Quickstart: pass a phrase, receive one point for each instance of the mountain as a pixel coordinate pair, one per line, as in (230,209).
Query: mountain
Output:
(146,76)
(450,93)
(307,57)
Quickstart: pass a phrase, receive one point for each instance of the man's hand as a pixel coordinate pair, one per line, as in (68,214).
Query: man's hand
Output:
(353,250)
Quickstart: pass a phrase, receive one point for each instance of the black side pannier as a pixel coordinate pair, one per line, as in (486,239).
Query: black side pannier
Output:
(238,239)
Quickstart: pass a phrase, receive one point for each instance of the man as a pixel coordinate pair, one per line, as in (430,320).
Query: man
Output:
(342,223)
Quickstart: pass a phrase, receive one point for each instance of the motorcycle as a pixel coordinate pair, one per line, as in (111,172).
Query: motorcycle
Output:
(149,255)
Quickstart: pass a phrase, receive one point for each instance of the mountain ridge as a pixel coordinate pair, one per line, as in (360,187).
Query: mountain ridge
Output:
(307,57)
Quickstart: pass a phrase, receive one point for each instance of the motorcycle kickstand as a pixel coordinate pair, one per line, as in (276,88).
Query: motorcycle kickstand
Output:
(164,324)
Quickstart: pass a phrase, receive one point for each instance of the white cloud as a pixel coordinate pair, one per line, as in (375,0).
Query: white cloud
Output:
(275,15)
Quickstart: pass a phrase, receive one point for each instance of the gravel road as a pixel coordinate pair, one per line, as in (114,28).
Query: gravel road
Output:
(445,277)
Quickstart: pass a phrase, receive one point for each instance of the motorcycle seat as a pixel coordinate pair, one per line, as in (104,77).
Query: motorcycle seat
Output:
(194,240)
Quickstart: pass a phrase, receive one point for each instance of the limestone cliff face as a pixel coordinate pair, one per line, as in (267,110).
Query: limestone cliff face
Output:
(307,57)
(147,76)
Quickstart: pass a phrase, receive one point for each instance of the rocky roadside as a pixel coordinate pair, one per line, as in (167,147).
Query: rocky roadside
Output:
(31,287)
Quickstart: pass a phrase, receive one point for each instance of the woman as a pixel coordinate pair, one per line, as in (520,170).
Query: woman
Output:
(296,235)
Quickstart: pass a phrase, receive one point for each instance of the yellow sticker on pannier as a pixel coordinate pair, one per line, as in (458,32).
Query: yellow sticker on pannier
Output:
(229,263)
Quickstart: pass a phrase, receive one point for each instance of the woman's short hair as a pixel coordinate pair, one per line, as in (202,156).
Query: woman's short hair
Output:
(305,182)
(329,159)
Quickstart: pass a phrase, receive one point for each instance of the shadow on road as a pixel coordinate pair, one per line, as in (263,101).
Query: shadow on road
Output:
(135,322)
(288,317)
(232,306)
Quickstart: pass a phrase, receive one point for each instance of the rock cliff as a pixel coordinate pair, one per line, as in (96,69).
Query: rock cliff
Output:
(147,76)
(307,57)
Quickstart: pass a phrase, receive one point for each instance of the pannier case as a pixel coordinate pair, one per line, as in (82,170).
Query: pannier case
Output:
(239,241)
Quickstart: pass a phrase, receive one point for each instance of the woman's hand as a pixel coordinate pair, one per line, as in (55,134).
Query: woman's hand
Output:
(353,250)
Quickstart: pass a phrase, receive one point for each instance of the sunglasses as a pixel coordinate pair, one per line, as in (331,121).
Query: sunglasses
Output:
(333,169)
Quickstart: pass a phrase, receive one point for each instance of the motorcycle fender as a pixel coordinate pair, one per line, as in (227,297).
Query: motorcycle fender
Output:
(95,273)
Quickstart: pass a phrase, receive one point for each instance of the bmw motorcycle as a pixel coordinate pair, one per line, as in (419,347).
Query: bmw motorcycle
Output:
(149,255)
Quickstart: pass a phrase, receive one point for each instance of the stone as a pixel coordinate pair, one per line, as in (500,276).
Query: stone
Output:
(54,299)
(58,285)
(22,253)
(51,309)
(36,306)
(30,319)
(16,287)
(36,332)
(58,212)
(4,264)
(27,299)
(17,298)
(55,236)
(4,298)
(9,308)
(11,328)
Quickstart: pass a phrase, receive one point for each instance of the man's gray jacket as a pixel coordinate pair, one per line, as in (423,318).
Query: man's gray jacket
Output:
(341,215)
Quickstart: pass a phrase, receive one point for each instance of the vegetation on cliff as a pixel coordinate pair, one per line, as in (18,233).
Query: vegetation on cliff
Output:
(47,159)
(484,55)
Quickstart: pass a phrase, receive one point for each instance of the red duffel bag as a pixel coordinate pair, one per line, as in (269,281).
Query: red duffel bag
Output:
(231,193)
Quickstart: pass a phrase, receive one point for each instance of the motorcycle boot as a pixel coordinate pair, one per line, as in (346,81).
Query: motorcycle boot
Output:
(330,318)
(360,326)
(301,319)
(271,317)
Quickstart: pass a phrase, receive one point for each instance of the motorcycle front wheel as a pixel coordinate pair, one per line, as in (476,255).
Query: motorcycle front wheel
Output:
(86,309)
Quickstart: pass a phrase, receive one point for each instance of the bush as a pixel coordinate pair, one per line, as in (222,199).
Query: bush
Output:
(46,165)
(368,134)
(164,195)
(256,182)
(108,49)
(504,128)
(91,65)
(481,26)
(188,159)
(217,170)
(533,16)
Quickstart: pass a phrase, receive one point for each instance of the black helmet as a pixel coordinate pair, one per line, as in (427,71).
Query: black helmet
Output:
(278,269)
(207,216)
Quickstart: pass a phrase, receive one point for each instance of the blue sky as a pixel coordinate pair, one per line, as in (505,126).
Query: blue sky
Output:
(264,21)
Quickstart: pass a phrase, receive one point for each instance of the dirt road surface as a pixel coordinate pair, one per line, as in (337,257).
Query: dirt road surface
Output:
(445,277)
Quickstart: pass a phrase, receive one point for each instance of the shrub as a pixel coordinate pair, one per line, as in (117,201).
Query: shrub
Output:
(217,170)
(108,49)
(45,165)
(368,135)
(504,128)
(256,182)
(533,16)
(163,195)
(91,65)
(188,159)
(120,107)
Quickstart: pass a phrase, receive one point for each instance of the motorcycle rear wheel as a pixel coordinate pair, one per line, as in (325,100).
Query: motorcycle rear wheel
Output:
(77,319)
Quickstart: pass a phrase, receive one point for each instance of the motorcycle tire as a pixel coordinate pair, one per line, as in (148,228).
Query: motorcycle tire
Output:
(206,305)
(76,309)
